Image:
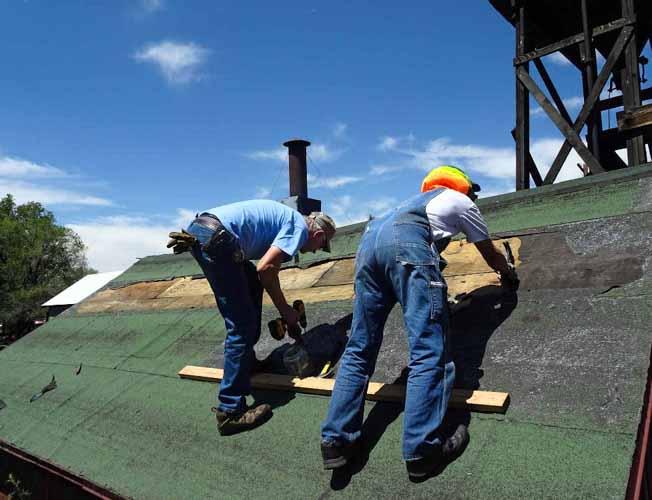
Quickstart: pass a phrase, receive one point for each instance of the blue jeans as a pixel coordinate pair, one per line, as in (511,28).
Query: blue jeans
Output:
(394,264)
(239,296)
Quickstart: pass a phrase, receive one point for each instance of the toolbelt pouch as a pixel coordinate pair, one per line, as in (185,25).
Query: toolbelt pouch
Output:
(223,245)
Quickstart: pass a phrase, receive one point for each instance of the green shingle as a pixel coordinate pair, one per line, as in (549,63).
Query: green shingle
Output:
(574,359)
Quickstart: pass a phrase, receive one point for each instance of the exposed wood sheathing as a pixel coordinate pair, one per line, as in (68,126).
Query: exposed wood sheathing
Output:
(319,283)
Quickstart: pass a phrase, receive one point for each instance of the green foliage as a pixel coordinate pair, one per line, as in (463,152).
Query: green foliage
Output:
(38,259)
(17,491)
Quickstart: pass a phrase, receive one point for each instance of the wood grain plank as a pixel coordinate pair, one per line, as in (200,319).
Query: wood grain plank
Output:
(480,401)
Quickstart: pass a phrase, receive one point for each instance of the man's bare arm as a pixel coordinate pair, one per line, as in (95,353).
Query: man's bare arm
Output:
(268,268)
(496,260)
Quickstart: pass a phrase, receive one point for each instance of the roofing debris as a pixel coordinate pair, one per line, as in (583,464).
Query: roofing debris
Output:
(50,387)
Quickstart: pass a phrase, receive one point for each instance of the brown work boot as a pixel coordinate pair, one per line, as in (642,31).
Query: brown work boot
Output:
(232,423)
(425,468)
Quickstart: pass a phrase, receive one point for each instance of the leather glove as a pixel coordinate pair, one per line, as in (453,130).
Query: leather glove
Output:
(181,241)
(510,279)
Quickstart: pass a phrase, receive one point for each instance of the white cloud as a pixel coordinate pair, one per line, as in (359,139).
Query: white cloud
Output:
(151,6)
(394,143)
(322,152)
(544,152)
(15,167)
(184,217)
(24,192)
(115,243)
(494,189)
(385,169)
(339,129)
(331,182)
(388,143)
(278,154)
(317,152)
(178,62)
(262,192)
(485,160)
(558,58)
(571,104)
(493,162)
(24,180)
(344,211)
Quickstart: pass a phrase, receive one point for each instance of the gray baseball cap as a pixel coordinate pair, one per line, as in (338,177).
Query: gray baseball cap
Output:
(327,225)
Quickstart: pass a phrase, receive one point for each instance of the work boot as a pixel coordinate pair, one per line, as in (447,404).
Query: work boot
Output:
(337,455)
(433,465)
(232,423)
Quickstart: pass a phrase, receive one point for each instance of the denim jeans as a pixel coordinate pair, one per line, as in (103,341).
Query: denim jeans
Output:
(239,296)
(395,264)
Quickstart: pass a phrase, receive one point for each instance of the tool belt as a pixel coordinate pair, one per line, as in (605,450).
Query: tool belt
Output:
(222,243)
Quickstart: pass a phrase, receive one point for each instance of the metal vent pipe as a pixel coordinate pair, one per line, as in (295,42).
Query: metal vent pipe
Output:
(298,167)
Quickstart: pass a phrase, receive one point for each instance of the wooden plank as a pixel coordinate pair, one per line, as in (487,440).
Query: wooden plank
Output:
(630,81)
(636,118)
(545,76)
(589,76)
(522,106)
(481,401)
(569,132)
(589,104)
(617,101)
(570,41)
(531,165)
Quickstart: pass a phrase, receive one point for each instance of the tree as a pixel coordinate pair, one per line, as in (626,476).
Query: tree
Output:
(38,259)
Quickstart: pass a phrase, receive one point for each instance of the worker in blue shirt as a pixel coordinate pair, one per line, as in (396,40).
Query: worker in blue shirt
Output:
(223,240)
(399,261)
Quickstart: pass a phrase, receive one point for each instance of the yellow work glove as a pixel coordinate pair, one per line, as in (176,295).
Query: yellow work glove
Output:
(181,241)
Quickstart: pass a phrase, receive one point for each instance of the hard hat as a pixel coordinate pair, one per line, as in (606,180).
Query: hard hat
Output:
(450,177)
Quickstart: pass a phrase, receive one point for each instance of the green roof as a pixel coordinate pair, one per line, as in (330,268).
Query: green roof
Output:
(572,350)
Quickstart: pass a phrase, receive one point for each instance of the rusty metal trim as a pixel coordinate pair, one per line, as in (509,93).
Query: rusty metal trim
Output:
(640,467)
(50,468)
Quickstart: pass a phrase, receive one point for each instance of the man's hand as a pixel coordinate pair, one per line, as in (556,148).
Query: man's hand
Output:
(181,241)
(497,261)
(290,316)
(509,278)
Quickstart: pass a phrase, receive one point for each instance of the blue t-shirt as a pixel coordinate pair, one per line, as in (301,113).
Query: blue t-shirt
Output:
(259,224)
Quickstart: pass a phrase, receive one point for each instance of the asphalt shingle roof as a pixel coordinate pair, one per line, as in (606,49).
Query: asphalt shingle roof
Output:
(572,348)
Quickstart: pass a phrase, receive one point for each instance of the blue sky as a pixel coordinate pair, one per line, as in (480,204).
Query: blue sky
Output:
(126,117)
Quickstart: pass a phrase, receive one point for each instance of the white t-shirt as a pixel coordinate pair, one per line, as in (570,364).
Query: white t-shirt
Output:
(452,212)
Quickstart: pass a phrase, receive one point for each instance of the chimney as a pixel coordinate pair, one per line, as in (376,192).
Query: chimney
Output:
(298,198)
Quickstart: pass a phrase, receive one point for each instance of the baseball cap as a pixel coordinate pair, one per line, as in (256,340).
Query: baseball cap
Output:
(327,225)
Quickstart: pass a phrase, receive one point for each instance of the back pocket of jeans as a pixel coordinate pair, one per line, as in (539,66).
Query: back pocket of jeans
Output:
(438,295)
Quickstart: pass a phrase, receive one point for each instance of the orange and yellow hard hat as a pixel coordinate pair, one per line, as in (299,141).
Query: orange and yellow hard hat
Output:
(450,177)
